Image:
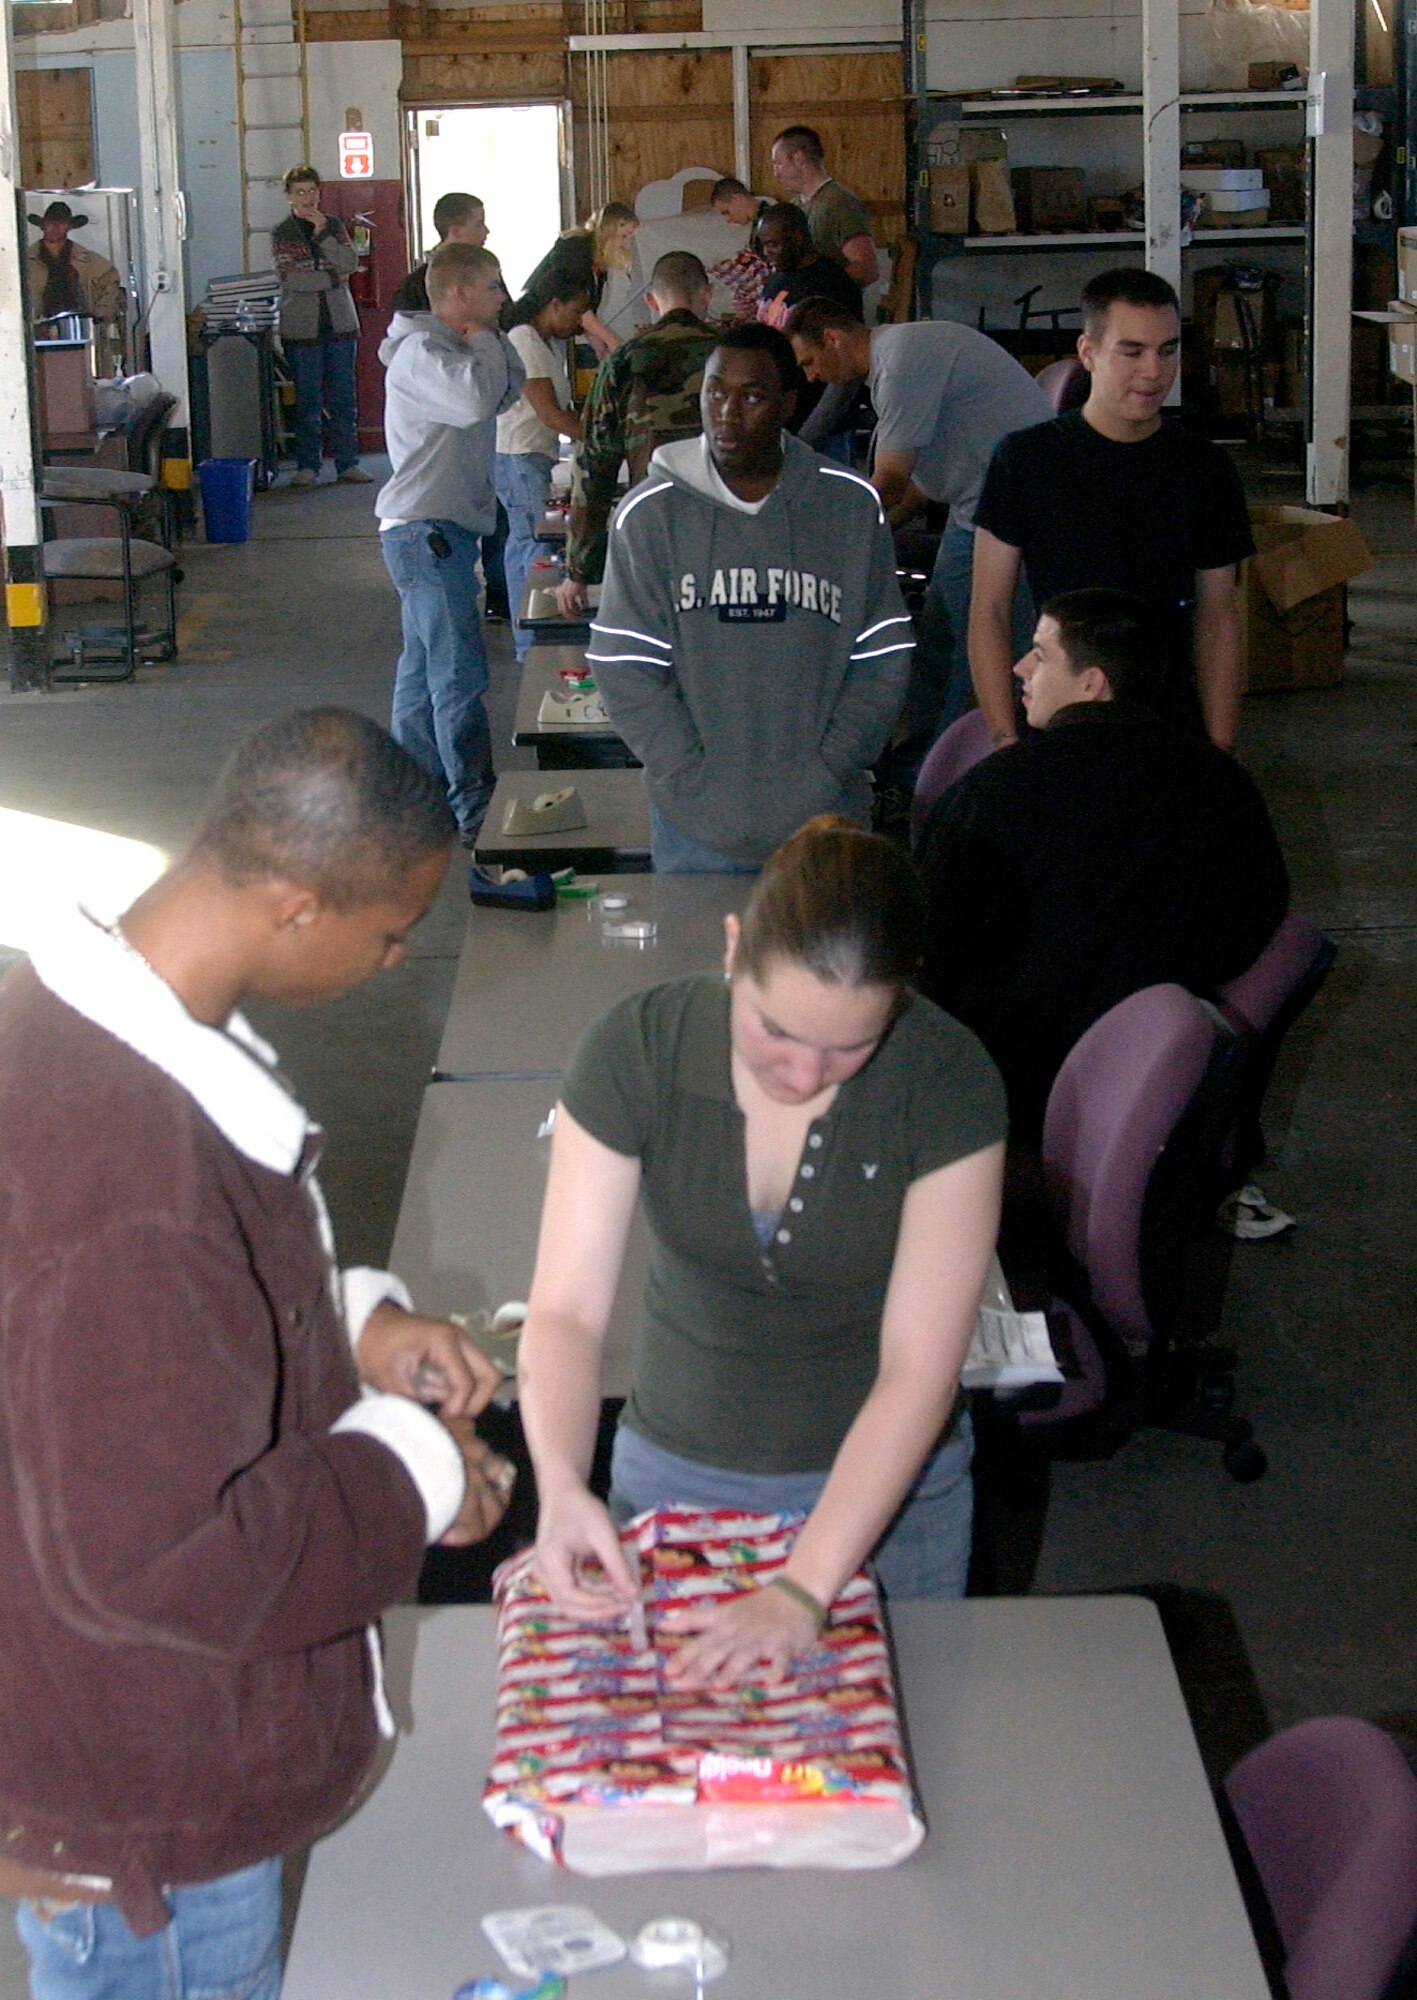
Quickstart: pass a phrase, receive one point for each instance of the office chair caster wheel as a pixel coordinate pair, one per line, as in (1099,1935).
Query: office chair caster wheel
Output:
(1216,1397)
(1245,1462)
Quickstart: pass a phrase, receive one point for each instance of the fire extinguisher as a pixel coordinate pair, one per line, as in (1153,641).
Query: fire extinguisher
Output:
(361,281)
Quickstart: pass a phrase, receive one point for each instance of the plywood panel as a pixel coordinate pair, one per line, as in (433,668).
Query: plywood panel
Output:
(856,102)
(56,127)
(666,111)
(472,78)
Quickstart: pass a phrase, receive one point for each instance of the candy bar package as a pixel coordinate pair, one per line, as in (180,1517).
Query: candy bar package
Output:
(603,1765)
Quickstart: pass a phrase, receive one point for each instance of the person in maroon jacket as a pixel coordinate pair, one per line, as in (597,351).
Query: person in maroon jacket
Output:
(215,1472)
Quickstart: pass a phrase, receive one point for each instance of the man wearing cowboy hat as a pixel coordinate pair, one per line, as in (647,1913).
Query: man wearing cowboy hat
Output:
(65,277)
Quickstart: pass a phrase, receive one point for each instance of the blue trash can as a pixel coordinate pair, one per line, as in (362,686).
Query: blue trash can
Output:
(228,485)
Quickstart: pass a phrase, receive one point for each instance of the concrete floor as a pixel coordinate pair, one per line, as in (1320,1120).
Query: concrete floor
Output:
(1299,1590)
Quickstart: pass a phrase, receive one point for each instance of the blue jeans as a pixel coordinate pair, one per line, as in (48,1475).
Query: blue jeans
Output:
(323,372)
(923,1553)
(438,715)
(223,1943)
(675,853)
(523,487)
(941,688)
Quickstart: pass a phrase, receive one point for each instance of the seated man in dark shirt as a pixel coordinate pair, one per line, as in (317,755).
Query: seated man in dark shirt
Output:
(1108,850)
(1114,495)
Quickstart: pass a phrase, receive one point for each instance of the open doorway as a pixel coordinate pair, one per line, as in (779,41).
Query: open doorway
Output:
(512,156)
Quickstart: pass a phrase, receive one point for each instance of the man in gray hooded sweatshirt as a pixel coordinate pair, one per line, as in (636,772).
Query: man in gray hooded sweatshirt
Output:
(449,373)
(751,642)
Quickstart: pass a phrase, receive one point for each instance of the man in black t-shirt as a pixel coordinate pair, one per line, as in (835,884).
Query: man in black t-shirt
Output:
(1113,495)
(458,218)
(1110,850)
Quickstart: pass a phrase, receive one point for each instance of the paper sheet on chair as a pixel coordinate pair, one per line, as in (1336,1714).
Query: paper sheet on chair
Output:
(1010,1350)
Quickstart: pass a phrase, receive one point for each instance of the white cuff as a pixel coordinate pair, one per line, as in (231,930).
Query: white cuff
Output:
(423,1445)
(364,1289)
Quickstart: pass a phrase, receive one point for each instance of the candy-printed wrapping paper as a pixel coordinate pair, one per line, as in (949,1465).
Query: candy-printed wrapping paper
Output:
(604,1766)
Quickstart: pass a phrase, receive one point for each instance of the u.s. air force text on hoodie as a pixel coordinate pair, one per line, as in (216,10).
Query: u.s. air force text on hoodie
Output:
(441,395)
(753,656)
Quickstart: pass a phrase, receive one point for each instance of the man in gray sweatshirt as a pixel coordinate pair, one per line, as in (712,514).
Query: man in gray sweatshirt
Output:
(449,374)
(751,642)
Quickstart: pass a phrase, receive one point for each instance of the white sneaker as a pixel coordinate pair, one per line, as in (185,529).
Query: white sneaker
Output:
(355,475)
(303,476)
(1251,1217)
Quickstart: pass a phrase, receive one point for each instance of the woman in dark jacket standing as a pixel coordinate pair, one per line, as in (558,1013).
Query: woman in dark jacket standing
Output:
(319,329)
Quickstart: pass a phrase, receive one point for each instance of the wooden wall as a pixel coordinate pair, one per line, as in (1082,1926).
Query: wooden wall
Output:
(55,109)
(857,104)
(667,111)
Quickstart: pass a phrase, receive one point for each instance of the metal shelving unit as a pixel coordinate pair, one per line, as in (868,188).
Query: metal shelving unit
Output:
(1064,239)
(1327,237)
(1006,108)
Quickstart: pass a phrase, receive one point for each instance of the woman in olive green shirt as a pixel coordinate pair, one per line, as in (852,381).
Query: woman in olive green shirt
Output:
(819,1151)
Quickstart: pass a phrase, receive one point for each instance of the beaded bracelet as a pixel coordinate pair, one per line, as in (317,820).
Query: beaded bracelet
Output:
(802,1597)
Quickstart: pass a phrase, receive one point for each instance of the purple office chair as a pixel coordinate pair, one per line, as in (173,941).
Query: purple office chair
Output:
(956,750)
(1328,1811)
(1136,1120)
(1065,383)
(1264,1003)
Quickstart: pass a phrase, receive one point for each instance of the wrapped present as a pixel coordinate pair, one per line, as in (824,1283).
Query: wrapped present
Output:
(607,1767)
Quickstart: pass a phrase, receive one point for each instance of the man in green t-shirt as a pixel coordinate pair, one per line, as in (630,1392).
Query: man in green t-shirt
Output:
(840,225)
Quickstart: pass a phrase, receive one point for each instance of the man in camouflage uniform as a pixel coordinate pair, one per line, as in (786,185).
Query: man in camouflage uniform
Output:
(644,395)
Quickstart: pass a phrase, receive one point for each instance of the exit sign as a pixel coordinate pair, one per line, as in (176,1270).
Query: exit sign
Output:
(356,156)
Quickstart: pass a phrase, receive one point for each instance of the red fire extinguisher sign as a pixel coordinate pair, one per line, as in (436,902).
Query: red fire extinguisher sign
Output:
(356,156)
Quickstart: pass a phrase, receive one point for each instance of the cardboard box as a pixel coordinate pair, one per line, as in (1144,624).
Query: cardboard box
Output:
(1226,180)
(949,201)
(1293,596)
(994,213)
(1407,266)
(1234,218)
(1400,323)
(1272,75)
(1049,199)
(1213,153)
(1402,345)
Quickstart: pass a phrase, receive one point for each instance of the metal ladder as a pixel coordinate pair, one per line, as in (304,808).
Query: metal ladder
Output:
(272,113)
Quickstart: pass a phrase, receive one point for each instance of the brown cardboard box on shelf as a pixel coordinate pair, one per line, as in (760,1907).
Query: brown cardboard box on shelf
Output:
(949,201)
(1049,199)
(994,213)
(1106,211)
(1402,349)
(1272,75)
(1293,597)
(1399,322)
(1407,266)
(1213,153)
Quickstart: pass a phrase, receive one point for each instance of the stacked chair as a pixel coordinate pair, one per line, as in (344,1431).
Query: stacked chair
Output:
(130,500)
